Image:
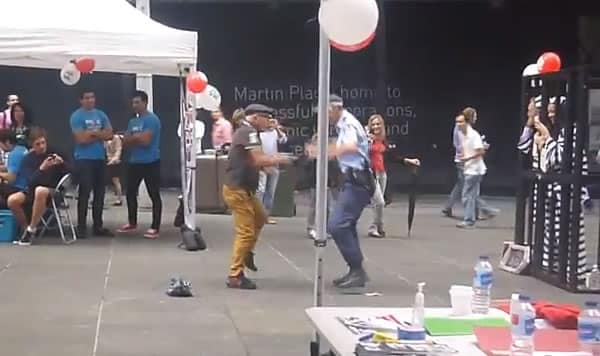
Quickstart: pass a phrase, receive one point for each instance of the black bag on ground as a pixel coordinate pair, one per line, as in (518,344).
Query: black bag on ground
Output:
(192,240)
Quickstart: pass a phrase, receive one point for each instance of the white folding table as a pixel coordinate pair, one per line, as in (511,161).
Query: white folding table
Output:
(343,341)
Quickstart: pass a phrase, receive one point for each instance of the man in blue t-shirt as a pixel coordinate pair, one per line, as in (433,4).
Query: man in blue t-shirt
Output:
(143,140)
(91,127)
(13,180)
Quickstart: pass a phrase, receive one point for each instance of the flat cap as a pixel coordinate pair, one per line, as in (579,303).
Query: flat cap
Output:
(259,109)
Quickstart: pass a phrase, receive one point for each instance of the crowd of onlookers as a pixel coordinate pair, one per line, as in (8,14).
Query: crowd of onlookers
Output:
(30,169)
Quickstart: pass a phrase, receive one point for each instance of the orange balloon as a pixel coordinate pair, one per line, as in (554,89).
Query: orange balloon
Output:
(353,48)
(549,62)
(196,82)
(85,64)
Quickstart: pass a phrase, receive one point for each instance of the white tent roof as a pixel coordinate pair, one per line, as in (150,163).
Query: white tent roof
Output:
(49,33)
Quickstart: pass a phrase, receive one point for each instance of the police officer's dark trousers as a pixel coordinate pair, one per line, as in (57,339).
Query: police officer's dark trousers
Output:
(352,199)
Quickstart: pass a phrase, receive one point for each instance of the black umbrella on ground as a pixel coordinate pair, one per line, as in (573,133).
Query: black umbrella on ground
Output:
(412,195)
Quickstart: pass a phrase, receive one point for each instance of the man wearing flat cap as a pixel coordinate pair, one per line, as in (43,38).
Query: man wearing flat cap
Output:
(352,152)
(246,159)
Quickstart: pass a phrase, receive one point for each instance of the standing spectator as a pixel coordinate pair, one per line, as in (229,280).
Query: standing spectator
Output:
(334,182)
(5,116)
(456,193)
(91,127)
(143,137)
(221,130)
(114,149)
(474,169)
(199,129)
(271,138)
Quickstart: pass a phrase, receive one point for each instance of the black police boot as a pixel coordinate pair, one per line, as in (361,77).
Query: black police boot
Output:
(340,280)
(357,278)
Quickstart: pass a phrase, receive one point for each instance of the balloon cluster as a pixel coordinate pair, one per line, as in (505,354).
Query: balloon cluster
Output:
(349,24)
(548,62)
(207,97)
(70,74)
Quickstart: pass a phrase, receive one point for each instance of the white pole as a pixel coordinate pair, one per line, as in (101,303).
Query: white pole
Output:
(322,160)
(144,82)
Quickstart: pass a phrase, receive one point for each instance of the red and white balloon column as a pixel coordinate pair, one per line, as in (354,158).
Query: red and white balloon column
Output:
(206,96)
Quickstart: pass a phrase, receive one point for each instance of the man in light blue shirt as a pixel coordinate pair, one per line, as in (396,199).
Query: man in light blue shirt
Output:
(352,153)
(90,127)
(143,140)
(14,179)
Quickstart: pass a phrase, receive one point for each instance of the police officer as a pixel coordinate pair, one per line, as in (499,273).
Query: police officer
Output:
(246,159)
(352,152)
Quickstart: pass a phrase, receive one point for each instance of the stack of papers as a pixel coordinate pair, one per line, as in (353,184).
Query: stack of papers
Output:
(362,325)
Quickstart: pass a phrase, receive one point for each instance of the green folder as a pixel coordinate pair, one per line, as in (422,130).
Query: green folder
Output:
(459,326)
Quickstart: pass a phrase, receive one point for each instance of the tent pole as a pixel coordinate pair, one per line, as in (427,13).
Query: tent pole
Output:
(322,161)
(144,82)
(188,149)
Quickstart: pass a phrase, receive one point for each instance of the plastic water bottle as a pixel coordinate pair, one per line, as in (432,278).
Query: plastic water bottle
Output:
(482,285)
(523,326)
(588,329)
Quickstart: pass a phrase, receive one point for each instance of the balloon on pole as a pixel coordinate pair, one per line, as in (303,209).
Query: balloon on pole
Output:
(353,48)
(531,69)
(85,64)
(549,62)
(197,82)
(209,99)
(348,22)
(69,74)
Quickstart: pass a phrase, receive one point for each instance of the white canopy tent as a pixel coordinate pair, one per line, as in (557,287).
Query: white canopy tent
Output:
(47,34)
(50,33)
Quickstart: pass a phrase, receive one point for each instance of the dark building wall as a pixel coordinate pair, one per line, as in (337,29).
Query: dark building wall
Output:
(440,58)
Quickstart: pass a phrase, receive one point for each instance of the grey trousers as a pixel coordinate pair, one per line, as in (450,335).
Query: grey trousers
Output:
(332,194)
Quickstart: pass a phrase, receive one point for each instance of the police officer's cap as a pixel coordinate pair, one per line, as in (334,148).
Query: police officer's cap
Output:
(253,109)
(336,100)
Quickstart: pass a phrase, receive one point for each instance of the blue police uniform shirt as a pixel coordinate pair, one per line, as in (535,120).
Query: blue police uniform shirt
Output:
(150,153)
(93,120)
(351,131)
(13,166)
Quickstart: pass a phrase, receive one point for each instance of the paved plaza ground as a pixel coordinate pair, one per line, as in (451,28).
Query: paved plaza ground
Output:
(106,296)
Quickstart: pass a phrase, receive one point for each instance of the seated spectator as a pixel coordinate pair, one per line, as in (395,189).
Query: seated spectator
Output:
(21,120)
(12,179)
(43,169)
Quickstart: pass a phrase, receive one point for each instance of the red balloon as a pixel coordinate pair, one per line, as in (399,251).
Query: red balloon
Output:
(549,62)
(355,47)
(196,82)
(85,64)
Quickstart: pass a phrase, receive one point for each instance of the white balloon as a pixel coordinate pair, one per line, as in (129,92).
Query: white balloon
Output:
(531,69)
(69,74)
(348,22)
(209,99)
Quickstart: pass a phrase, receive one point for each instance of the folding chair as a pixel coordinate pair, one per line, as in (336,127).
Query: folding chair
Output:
(58,213)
